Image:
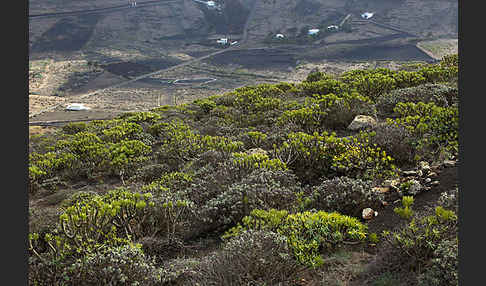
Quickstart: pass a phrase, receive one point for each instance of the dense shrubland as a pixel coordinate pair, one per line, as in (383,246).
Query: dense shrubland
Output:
(271,169)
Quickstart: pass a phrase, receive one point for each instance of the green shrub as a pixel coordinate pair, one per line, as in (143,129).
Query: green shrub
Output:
(308,233)
(206,105)
(436,128)
(74,127)
(315,156)
(138,117)
(405,211)
(370,83)
(322,87)
(438,94)
(314,76)
(421,237)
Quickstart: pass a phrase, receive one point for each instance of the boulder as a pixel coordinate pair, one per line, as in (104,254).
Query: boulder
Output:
(361,122)
(369,213)
(449,163)
(424,166)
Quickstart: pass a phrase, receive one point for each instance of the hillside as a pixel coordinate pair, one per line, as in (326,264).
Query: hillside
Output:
(265,184)
(93,52)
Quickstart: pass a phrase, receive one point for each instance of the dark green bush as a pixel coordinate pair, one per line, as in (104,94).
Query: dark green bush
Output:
(418,241)
(444,266)
(252,258)
(261,189)
(395,140)
(124,265)
(345,195)
(438,94)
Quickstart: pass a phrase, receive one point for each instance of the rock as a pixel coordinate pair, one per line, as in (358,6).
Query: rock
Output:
(369,213)
(362,122)
(432,175)
(381,189)
(428,180)
(409,173)
(435,183)
(449,163)
(424,166)
(420,173)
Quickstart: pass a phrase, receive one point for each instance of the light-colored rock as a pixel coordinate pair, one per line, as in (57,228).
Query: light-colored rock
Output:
(409,173)
(381,189)
(424,166)
(449,163)
(428,180)
(432,175)
(369,213)
(435,183)
(361,122)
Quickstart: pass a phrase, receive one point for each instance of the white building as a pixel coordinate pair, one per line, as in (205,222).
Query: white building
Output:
(222,41)
(279,36)
(313,32)
(367,15)
(332,28)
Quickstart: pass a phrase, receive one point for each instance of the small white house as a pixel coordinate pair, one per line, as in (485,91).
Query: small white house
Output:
(211,3)
(279,36)
(77,107)
(367,15)
(332,28)
(222,41)
(313,32)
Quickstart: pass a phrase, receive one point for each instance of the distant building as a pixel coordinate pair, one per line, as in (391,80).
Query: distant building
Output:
(313,32)
(279,36)
(222,41)
(332,28)
(367,15)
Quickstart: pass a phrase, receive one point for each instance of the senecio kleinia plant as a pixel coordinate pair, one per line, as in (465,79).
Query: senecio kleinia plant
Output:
(307,232)
(88,225)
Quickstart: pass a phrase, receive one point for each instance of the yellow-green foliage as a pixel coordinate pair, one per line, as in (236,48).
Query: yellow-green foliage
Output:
(326,111)
(91,224)
(322,87)
(172,181)
(308,233)
(421,237)
(181,143)
(405,211)
(124,130)
(256,138)
(138,117)
(434,126)
(326,154)
(257,161)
